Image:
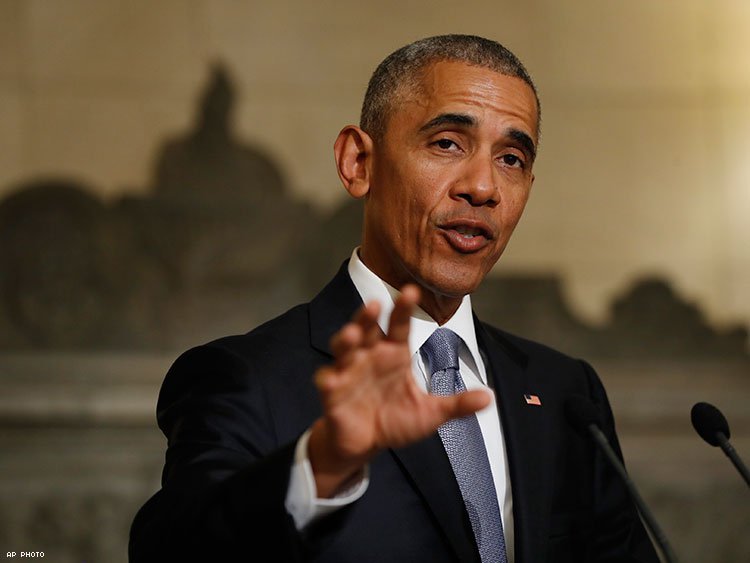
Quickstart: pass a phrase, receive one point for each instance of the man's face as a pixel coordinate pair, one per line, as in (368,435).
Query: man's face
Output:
(450,179)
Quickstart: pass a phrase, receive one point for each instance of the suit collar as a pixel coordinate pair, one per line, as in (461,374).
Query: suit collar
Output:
(371,288)
(332,308)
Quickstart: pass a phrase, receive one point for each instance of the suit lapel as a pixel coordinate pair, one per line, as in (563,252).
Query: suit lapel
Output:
(332,308)
(525,429)
(430,472)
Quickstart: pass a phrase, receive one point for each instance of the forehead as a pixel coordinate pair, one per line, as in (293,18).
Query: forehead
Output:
(448,86)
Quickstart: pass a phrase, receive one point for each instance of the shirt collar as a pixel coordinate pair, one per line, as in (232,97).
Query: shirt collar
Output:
(372,288)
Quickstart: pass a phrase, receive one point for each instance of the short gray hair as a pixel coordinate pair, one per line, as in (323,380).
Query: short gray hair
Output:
(404,68)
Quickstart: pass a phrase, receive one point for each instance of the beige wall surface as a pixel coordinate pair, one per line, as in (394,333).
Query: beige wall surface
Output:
(643,170)
(643,166)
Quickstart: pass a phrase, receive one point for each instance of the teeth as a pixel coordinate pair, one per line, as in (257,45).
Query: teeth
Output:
(467,232)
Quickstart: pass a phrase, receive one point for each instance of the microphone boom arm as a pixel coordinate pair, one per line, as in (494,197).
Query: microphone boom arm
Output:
(732,454)
(661,538)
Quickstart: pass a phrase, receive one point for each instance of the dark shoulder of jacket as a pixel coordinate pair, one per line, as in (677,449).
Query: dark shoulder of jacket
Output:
(288,330)
(232,357)
(520,347)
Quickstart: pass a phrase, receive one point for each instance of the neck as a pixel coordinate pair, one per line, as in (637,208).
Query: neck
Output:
(440,307)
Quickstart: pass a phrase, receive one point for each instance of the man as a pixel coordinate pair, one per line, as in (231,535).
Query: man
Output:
(359,462)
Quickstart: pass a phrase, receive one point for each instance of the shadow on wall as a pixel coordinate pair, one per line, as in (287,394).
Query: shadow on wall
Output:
(219,246)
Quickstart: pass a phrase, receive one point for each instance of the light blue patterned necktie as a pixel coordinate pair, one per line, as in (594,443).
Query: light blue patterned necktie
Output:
(463,442)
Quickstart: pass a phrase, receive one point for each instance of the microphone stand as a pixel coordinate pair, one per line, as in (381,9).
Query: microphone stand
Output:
(659,536)
(732,454)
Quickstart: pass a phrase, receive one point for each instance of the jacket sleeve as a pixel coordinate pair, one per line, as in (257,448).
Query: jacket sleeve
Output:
(226,475)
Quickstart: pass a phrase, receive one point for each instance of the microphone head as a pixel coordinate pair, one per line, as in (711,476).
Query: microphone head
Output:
(708,422)
(581,413)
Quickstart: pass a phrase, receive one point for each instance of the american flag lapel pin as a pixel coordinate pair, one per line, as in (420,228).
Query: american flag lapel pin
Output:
(533,400)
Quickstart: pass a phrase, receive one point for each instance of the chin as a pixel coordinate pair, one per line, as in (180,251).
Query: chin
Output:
(454,282)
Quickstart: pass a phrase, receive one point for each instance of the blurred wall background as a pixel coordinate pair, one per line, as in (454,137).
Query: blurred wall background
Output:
(166,177)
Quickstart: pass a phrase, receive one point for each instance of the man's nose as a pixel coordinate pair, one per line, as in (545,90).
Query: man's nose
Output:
(478,185)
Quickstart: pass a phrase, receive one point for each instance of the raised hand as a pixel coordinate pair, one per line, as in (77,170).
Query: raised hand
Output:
(370,398)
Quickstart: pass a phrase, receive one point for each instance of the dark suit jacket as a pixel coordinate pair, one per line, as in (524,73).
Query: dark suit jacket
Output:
(232,411)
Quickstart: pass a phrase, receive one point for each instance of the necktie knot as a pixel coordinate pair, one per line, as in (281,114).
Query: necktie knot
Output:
(441,350)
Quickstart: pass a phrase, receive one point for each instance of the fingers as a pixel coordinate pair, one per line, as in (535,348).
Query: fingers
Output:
(398,326)
(345,342)
(367,318)
(362,331)
(326,379)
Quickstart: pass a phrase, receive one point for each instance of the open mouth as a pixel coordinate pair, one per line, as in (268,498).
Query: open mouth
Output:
(467,236)
(468,232)
(469,228)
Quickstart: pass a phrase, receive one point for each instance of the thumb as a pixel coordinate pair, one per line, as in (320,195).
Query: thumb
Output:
(466,403)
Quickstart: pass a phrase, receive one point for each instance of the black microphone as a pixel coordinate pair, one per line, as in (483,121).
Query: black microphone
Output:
(583,415)
(711,425)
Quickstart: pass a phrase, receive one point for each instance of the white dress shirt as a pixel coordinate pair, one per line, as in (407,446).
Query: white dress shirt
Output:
(301,501)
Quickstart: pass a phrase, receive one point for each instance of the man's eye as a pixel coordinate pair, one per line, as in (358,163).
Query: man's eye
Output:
(445,144)
(512,160)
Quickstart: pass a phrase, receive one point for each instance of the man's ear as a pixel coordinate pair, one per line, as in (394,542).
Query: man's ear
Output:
(353,152)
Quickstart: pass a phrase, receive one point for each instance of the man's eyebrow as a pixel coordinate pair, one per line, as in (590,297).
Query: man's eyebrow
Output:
(449,119)
(523,139)
(466,120)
